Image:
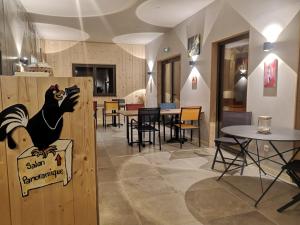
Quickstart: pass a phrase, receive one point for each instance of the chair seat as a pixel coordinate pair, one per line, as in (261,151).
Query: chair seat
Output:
(186,126)
(145,128)
(294,165)
(229,140)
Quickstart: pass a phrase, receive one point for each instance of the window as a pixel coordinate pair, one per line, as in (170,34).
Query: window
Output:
(104,77)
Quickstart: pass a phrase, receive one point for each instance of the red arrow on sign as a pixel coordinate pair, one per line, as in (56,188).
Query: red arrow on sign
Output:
(58,160)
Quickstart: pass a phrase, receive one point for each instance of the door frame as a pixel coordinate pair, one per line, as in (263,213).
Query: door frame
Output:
(215,83)
(161,80)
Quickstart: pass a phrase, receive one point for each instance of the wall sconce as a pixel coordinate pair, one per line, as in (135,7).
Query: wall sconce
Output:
(268,46)
(24,60)
(192,63)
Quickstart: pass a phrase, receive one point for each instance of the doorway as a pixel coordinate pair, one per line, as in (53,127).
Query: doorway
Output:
(232,77)
(170,79)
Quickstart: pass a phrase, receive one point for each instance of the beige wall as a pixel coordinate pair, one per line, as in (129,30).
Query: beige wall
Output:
(226,18)
(129,61)
(18,37)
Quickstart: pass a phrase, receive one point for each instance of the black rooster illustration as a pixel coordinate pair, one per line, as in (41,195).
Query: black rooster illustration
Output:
(45,127)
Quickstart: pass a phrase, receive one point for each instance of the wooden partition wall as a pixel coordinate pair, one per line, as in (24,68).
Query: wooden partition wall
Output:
(70,203)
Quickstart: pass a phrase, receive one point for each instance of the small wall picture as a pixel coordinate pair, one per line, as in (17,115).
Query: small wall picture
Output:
(270,74)
(194,45)
(194,83)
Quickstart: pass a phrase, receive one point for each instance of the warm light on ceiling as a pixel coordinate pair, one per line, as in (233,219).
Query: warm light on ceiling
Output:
(272,32)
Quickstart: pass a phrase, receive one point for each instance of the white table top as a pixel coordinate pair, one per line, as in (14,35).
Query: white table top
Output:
(277,134)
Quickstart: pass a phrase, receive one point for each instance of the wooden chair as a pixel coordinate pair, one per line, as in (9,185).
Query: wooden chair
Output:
(134,106)
(167,120)
(148,118)
(293,170)
(121,101)
(187,117)
(111,109)
(227,143)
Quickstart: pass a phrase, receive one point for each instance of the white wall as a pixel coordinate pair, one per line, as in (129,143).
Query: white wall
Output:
(225,18)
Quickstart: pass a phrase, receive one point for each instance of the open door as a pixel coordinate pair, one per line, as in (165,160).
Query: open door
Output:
(232,77)
(170,78)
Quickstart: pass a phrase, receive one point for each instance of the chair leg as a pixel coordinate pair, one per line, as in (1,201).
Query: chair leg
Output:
(164,127)
(289,204)
(199,136)
(119,121)
(140,136)
(131,136)
(159,139)
(191,135)
(215,157)
(218,151)
(180,138)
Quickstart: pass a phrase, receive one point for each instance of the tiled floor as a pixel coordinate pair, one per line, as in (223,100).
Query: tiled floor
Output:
(177,187)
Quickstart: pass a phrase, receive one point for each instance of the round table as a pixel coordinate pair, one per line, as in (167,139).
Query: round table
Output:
(277,134)
(251,133)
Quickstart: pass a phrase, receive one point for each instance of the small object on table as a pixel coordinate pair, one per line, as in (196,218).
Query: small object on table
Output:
(264,124)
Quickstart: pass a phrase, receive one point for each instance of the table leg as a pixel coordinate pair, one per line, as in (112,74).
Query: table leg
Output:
(276,178)
(127,129)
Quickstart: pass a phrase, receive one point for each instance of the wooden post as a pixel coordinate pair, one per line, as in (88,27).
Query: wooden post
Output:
(71,202)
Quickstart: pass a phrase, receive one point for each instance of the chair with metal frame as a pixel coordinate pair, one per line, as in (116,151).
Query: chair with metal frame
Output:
(293,170)
(122,105)
(148,122)
(228,143)
(187,117)
(131,107)
(167,120)
(111,109)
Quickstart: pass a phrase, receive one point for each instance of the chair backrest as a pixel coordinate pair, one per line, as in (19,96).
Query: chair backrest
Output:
(190,113)
(111,106)
(121,102)
(134,106)
(236,118)
(293,170)
(148,115)
(167,105)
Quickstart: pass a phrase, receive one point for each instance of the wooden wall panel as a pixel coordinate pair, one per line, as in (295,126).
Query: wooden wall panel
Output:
(129,60)
(4,191)
(74,204)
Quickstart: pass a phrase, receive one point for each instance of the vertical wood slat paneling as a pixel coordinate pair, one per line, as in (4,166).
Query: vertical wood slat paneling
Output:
(4,191)
(54,204)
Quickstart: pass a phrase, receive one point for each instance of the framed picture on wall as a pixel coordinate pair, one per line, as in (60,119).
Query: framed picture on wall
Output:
(194,83)
(270,73)
(194,45)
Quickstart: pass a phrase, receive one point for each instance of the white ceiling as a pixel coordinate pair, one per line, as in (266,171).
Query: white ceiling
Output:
(76,8)
(169,13)
(122,21)
(57,32)
(136,38)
